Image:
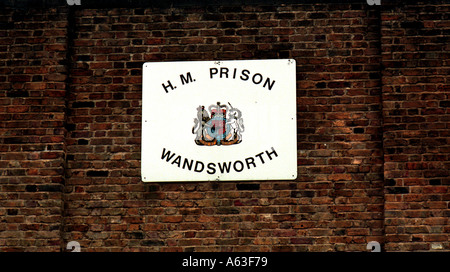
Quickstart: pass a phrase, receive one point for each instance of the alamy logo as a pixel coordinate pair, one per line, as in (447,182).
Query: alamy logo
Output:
(73,246)
(374,246)
(374,2)
(73,2)
(219,125)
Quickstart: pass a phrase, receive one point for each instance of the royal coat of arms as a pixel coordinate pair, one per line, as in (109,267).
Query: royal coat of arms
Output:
(218,125)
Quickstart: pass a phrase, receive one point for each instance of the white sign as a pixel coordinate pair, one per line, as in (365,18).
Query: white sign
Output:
(219,120)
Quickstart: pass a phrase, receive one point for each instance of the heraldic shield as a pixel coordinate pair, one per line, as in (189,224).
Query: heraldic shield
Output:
(218,125)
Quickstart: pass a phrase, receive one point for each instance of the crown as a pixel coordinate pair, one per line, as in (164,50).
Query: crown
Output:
(219,108)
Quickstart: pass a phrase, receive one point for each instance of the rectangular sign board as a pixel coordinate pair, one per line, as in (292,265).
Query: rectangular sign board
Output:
(219,120)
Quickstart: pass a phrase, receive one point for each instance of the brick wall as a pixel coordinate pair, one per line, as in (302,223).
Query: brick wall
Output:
(416,54)
(33,46)
(372,96)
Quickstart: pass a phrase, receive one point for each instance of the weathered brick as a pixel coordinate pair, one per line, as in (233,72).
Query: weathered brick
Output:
(31,104)
(421,102)
(372,120)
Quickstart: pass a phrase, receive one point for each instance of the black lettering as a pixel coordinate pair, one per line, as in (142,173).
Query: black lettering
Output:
(177,161)
(249,161)
(168,86)
(260,78)
(185,80)
(245,73)
(223,167)
(234,166)
(234,73)
(273,152)
(197,163)
(260,157)
(212,71)
(189,165)
(167,154)
(224,71)
(267,82)
(212,167)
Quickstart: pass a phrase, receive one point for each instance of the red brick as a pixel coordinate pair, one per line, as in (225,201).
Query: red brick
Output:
(172,219)
(19,78)
(340,177)
(18,109)
(372,150)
